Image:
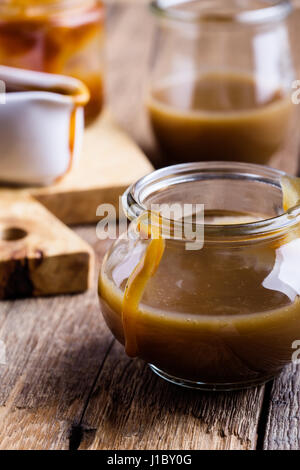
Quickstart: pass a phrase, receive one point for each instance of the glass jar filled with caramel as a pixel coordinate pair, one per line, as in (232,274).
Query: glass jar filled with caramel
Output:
(221,81)
(223,313)
(56,36)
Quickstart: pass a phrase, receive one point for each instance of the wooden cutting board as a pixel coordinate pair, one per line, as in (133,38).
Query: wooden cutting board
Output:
(39,255)
(110,162)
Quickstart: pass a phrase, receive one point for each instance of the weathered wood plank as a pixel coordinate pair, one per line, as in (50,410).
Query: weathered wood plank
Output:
(100,177)
(66,382)
(54,348)
(283,423)
(57,348)
(138,423)
(131,408)
(39,255)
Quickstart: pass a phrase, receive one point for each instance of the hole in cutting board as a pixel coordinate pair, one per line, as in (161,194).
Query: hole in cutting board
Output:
(11,234)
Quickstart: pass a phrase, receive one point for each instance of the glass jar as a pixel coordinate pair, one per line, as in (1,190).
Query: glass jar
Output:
(222,316)
(56,36)
(220,82)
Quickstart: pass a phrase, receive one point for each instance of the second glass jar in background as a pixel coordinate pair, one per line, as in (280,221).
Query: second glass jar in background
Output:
(57,36)
(221,81)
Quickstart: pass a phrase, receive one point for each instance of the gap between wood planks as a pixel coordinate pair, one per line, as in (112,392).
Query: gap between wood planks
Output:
(263,417)
(271,411)
(117,19)
(77,430)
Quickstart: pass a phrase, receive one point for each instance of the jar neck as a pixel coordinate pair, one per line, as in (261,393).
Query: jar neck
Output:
(221,186)
(216,12)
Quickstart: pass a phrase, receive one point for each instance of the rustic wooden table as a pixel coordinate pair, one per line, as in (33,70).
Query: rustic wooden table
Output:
(67,383)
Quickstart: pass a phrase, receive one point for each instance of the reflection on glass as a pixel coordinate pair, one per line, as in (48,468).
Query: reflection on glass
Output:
(285,276)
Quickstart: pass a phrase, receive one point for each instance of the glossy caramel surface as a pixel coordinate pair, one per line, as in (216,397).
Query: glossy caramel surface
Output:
(219,116)
(219,315)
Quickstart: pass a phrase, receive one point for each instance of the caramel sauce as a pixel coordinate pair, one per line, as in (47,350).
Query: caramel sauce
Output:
(149,264)
(291,192)
(214,314)
(61,41)
(79,98)
(140,276)
(72,136)
(219,116)
(134,290)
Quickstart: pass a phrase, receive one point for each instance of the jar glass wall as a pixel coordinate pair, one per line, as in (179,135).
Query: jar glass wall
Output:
(56,36)
(220,82)
(221,317)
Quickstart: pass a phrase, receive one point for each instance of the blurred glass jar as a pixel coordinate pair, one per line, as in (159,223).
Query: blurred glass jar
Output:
(56,36)
(221,81)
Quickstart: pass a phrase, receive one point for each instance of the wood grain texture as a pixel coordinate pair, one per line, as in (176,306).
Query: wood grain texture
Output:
(38,254)
(54,349)
(283,412)
(101,176)
(222,420)
(67,383)
(130,408)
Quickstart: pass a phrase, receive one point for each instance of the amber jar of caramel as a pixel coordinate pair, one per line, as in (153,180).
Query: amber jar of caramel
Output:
(56,36)
(220,82)
(225,315)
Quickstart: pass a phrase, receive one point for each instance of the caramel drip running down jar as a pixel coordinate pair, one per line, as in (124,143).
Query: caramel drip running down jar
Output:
(56,36)
(222,317)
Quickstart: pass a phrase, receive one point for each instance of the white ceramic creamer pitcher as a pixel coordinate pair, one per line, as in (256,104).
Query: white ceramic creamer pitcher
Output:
(41,125)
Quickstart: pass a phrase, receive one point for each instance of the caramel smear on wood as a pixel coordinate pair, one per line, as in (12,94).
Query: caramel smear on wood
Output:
(136,286)
(291,192)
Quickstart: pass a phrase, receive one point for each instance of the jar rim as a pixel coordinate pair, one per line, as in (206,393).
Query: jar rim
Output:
(277,11)
(134,207)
